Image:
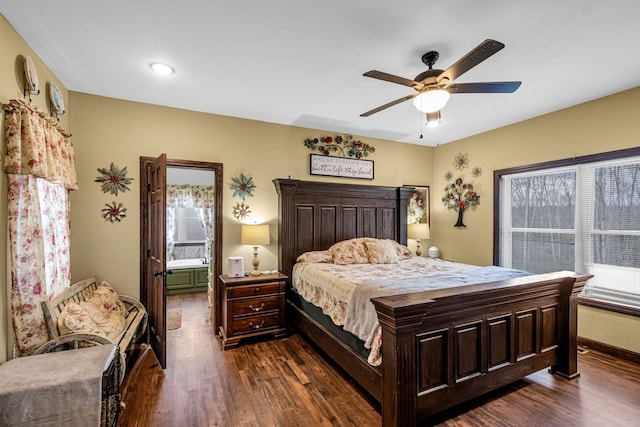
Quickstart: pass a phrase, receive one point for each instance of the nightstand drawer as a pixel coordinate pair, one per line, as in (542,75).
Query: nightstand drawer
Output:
(255,306)
(256,323)
(254,290)
(252,306)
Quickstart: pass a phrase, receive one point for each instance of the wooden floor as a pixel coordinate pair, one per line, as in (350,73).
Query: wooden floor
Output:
(287,383)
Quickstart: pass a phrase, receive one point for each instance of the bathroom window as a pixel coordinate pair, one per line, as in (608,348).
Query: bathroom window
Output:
(188,227)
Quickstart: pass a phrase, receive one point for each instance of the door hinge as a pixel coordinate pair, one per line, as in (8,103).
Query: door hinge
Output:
(148,253)
(148,187)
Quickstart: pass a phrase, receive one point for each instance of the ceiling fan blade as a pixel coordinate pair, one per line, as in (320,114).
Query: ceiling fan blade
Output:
(385,106)
(489,87)
(391,78)
(483,51)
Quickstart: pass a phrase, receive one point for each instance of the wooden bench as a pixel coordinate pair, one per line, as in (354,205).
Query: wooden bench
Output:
(135,327)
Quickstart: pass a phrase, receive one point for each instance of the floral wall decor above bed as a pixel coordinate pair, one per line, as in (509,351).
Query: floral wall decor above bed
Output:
(459,195)
(340,156)
(343,146)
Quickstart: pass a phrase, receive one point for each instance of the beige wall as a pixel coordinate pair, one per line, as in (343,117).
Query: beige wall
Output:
(606,124)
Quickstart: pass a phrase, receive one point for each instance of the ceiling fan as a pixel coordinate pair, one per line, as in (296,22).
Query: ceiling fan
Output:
(434,87)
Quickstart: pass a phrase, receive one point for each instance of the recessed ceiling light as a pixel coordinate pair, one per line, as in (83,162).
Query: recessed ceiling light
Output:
(162,69)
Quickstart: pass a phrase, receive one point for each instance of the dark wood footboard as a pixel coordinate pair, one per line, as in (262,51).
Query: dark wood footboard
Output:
(441,348)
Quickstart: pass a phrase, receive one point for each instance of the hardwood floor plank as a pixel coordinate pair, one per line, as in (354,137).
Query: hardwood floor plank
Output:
(287,383)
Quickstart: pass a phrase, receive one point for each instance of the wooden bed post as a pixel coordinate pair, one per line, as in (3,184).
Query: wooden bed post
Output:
(568,366)
(404,194)
(399,325)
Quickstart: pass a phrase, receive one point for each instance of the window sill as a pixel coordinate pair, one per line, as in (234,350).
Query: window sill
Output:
(608,305)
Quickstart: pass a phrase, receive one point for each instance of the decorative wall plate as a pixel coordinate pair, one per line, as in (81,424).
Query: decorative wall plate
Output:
(31,76)
(57,100)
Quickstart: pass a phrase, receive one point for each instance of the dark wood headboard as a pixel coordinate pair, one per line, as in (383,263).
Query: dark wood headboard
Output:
(315,215)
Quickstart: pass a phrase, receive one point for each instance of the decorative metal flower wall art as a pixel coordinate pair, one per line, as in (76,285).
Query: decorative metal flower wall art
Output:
(113,179)
(461,161)
(343,146)
(459,196)
(242,186)
(241,212)
(114,212)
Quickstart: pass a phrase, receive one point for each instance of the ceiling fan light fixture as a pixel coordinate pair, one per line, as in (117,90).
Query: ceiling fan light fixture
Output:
(431,100)
(433,119)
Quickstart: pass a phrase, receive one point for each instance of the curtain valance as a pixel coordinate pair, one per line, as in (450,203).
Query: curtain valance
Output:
(37,145)
(195,196)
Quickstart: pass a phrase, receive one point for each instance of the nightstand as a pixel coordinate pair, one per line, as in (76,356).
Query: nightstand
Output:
(251,306)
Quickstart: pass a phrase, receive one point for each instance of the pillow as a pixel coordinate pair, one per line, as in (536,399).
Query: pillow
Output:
(382,251)
(352,251)
(403,251)
(110,323)
(315,256)
(74,318)
(106,298)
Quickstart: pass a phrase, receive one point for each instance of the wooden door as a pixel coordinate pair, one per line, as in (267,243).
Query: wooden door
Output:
(156,257)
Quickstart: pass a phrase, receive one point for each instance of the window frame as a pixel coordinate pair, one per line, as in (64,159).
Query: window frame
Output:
(555,164)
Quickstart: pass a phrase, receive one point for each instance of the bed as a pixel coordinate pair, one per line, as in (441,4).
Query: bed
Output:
(440,347)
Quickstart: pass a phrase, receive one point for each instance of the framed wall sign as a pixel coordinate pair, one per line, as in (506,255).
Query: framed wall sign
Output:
(418,207)
(341,166)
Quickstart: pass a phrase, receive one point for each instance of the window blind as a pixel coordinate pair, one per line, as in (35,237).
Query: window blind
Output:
(584,217)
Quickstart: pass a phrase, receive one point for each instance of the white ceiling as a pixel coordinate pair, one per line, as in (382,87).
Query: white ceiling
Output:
(300,63)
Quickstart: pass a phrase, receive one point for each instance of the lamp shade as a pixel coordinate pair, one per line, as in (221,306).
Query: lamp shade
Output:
(431,100)
(255,235)
(418,231)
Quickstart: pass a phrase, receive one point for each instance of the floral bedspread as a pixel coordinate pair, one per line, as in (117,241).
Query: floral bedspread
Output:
(344,291)
(331,286)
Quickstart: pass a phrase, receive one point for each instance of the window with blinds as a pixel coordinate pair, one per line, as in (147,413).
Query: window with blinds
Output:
(583,217)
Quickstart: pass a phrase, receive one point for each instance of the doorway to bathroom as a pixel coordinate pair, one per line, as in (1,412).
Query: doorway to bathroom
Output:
(177,197)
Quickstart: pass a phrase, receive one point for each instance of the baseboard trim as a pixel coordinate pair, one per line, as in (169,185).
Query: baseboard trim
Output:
(611,350)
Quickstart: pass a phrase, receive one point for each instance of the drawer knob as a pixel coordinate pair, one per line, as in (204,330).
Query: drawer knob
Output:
(256,326)
(257,290)
(256,309)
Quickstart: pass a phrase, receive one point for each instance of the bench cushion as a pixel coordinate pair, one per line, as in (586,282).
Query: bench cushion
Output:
(74,318)
(85,317)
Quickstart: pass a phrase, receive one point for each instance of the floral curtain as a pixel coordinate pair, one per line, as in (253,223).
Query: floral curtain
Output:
(201,197)
(37,146)
(41,170)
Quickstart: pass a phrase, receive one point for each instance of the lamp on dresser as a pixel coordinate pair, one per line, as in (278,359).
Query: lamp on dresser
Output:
(418,232)
(255,235)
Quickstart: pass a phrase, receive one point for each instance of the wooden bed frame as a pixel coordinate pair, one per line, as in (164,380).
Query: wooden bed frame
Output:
(439,348)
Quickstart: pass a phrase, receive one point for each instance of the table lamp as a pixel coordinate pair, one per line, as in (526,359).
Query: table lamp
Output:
(418,232)
(255,235)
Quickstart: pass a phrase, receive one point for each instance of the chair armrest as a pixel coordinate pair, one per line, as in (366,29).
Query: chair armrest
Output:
(74,340)
(132,303)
